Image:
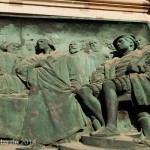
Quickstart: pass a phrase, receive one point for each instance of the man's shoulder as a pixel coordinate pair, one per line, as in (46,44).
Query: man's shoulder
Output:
(141,53)
(113,60)
(61,55)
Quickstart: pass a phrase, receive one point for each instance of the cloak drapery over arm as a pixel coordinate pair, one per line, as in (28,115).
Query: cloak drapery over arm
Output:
(53,113)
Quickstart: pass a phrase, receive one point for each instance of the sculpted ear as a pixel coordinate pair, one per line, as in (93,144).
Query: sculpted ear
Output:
(131,44)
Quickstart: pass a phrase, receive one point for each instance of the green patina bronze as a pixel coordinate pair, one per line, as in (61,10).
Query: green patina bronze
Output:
(56,77)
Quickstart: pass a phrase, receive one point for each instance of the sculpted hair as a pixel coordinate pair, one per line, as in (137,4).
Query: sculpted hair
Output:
(39,51)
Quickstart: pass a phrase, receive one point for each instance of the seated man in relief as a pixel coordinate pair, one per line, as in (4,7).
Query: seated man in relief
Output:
(85,65)
(129,72)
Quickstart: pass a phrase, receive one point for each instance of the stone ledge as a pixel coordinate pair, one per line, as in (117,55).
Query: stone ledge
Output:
(113,5)
(30,11)
(114,142)
(79,146)
(38,9)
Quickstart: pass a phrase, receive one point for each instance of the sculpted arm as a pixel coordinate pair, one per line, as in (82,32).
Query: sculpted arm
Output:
(96,80)
(139,64)
(74,75)
(26,69)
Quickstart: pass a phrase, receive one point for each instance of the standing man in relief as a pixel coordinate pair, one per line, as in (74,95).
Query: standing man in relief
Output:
(53,80)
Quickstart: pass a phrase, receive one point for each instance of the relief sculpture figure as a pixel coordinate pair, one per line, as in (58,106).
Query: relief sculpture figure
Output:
(52,77)
(9,57)
(29,49)
(141,42)
(85,65)
(69,79)
(96,52)
(10,84)
(81,59)
(125,76)
(87,61)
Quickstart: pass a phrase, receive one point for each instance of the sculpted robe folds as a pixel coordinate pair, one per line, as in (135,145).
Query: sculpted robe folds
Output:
(8,62)
(84,63)
(10,84)
(53,113)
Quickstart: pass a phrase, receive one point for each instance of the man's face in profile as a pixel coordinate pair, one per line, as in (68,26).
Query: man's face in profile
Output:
(124,44)
(141,43)
(13,48)
(42,44)
(95,46)
(85,47)
(73,47)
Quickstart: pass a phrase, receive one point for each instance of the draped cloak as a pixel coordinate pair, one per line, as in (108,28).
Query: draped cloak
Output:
(52,113)
(84,63)
(8,62)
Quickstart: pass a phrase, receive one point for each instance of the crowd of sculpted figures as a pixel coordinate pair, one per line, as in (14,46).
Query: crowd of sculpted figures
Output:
(58,84)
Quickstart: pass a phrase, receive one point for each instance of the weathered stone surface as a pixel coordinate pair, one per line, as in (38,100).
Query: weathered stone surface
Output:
(79,146)
(12,114)
(52,79)
(17,147)
(114,142)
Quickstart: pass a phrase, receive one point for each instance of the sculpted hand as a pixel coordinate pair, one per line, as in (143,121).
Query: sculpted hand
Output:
(142,67)
(73,89)
(133,68)
(40,63)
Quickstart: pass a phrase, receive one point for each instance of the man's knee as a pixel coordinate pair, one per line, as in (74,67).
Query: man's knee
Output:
(109,84)
(84,92)
(143,114)
(144,122)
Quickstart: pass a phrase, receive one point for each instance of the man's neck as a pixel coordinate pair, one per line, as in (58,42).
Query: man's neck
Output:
(127,52)
(47,51)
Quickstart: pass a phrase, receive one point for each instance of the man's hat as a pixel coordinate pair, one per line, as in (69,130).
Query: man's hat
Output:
(126,36)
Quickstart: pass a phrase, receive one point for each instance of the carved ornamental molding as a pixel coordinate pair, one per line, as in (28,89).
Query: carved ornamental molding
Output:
(141,6)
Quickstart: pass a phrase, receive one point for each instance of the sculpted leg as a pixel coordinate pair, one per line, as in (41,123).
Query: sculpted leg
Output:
(92,103)
(144,121)
(111,101)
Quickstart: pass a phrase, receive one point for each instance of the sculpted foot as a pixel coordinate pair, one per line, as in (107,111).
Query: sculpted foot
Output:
(97,131)
(106,131)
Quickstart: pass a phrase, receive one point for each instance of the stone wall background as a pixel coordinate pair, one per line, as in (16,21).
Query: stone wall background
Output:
(60,32)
